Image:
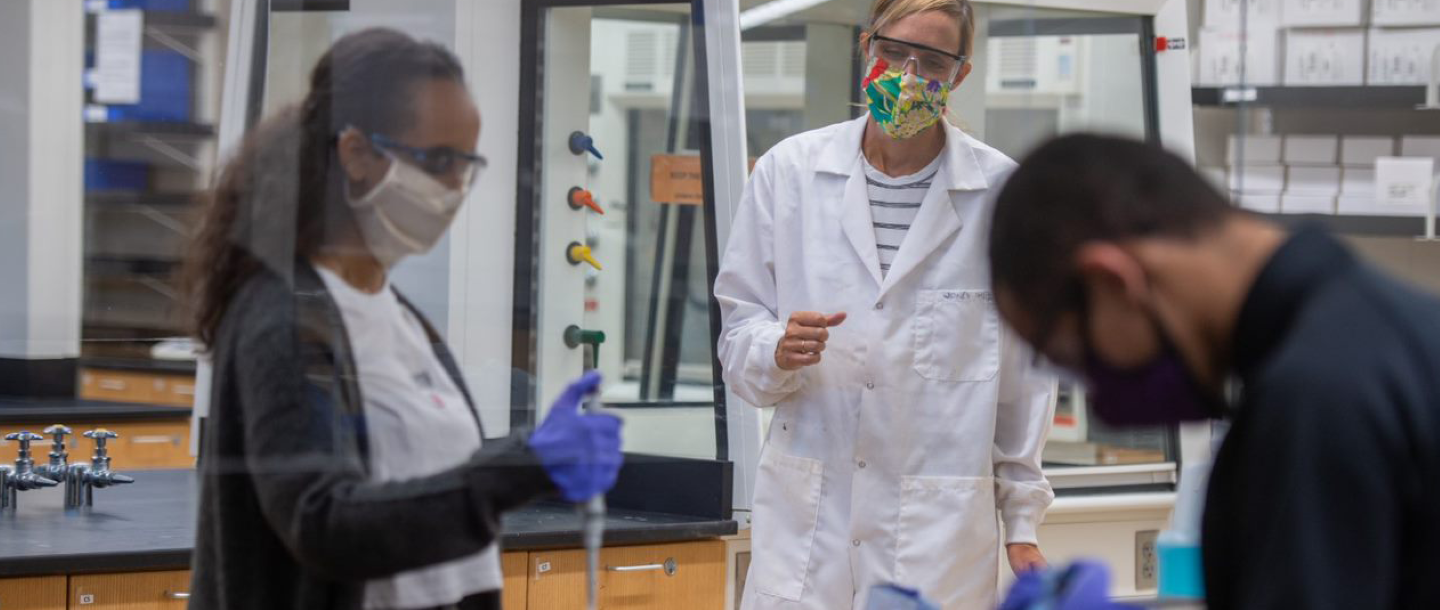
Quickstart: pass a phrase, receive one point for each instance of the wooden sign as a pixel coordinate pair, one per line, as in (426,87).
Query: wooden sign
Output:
(676,179)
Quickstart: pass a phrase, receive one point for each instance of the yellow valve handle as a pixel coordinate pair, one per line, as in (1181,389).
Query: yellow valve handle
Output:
(580,253)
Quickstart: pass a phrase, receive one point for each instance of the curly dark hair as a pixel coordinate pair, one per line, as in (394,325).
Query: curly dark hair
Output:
(280,198)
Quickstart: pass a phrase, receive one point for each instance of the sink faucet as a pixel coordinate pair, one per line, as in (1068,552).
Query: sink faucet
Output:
(23,476)
(81,480)
(58,468)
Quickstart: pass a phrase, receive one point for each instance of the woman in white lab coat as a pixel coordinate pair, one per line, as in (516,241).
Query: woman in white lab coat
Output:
(855,300)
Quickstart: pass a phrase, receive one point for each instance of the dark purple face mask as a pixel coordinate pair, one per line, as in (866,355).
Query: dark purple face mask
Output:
(1160,392)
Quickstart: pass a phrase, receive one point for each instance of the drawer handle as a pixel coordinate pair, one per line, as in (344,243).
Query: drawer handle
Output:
(185,390)
(115,385)
(669,567)
(177,595)
(154,439)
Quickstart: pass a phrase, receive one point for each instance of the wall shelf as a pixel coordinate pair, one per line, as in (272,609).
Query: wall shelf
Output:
(121,198)
(1366,226)
(1361,97)
(155,128)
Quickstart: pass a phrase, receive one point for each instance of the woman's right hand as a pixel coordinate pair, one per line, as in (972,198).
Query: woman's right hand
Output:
(580,451)
(804,340)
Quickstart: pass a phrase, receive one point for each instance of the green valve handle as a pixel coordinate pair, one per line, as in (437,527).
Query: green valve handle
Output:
(576,337)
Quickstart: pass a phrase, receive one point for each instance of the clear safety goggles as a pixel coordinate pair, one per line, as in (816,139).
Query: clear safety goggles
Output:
(930,63)
(440,161)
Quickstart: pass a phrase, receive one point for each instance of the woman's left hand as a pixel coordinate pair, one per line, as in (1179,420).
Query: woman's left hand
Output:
(1024,557)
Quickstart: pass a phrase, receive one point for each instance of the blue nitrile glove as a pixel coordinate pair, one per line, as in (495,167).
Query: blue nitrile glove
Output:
(580,451)
(1083,585)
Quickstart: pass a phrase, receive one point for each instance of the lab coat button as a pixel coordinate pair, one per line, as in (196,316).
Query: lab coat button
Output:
(855,542)
(880,305)
(870,385)
(862,464)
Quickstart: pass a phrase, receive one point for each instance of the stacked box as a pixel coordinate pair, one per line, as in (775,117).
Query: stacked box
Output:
(1401,57)
(1326,57)
(1323,13)
(1405,12)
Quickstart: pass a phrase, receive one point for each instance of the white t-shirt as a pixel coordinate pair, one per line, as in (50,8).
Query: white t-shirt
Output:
(418,424)
(894,204)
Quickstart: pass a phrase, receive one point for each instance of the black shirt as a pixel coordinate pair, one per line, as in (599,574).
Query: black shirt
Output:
(1326,492)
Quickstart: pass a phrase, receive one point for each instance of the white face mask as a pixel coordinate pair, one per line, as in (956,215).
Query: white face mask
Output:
(406,213)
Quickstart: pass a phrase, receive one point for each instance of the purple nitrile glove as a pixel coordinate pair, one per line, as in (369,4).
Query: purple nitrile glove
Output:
(1082,585)
(580,451)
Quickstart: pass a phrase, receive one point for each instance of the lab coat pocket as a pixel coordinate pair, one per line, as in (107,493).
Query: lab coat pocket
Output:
(787,508)
(957,335)
(948,539)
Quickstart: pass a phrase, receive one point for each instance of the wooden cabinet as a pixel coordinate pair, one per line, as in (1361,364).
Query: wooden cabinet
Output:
(148,445)
(134,591)
(46,593)
(659,577)
(515,568)
(137,387)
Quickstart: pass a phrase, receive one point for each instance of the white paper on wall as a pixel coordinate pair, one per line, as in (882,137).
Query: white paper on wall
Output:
(117,56)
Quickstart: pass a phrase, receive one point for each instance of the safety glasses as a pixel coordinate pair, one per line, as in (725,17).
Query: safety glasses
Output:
(439,161)
(930,62)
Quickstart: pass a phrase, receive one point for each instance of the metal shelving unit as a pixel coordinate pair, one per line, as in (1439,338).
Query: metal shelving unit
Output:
(135,236)
(1364,97)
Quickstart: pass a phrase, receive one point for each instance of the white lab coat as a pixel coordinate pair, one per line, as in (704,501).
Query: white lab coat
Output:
(887,461)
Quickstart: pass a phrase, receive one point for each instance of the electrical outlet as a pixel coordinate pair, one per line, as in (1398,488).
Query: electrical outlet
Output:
(1147,563)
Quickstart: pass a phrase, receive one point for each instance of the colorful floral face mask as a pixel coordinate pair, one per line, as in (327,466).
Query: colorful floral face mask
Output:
(903,104)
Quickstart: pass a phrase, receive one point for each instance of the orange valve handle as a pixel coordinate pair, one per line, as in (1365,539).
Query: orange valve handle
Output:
(579,198)
(578,253)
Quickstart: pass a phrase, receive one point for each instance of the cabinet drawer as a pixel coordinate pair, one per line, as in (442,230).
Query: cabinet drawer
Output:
(116,386)
(32,593)
(133,591)
(174,390)
(147,388)
(658,577)
(141,446)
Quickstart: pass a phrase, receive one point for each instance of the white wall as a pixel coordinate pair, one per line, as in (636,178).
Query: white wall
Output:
(41,179)
(482,241)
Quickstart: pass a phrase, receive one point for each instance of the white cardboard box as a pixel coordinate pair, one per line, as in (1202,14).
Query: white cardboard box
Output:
(1321,181)
(1311,150)
(1267,204)
(1307,204)
(1405,12)
(1420,146)
(1258,179)
(1401,57)
(1404,181)
(1218,58)
(1357,205)
(1226,13)
(1363,150)
(1357,182)
(1325,57)
(1257,149)
(1323,13)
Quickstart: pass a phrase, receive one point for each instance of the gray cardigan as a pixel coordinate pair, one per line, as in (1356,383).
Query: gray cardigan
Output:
(288,517)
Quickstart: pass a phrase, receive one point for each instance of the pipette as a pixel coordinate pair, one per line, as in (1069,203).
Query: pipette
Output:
(592,527)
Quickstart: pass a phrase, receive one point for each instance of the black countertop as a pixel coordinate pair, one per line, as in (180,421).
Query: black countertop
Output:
(150,525)
(141,365)
(64,411)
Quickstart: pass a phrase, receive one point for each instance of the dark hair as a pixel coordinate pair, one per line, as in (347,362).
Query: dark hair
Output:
(1082,188)
(275,202)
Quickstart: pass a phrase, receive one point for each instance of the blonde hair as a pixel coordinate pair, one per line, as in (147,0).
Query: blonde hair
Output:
(886,12)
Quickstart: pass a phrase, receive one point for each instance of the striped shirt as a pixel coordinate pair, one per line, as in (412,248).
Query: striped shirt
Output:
(894,203)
